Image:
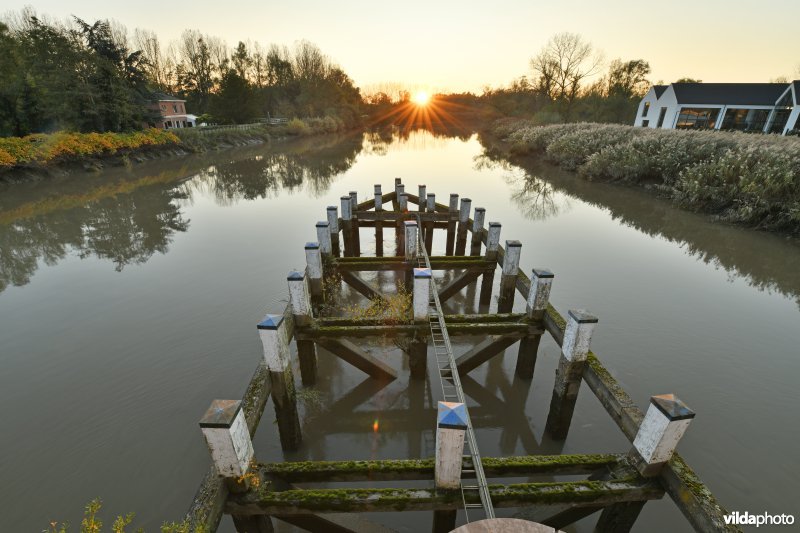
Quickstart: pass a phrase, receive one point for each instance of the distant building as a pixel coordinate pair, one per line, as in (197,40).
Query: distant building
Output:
(754,107)
(172,112)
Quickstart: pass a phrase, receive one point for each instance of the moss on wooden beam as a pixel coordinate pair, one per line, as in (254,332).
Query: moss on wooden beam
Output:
(315,332)
(450,319)
(423,469)
(301,501)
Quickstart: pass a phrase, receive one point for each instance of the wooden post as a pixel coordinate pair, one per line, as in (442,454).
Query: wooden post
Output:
(430,224)
(314,271)
(411,230)
(272,330)
(422,293)
(301,312)
(324,238)
(450,430)
(378,223)
(333,225)
(538,298)
(492,247)
(418,358)
(508,279)
(354,224)
(228,438)
(347,225)
(463,217)
(403,202)
(477,229)
(664,424)
(451,224)
(423,197)
(397,182)
(411,240)
(378,197)
(574,349)
(451,427)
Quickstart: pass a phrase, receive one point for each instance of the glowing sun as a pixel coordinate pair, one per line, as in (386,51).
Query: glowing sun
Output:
(421,98)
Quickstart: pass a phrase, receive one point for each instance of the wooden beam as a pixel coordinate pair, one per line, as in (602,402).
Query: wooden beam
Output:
(314,332)
(305,501)
(457,284)
(394,216)
(364,288)
(485,350)
(423,469)
(449,319)
(357,357)
(347,264)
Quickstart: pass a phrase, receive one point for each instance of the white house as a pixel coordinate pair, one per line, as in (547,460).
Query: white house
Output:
(755,107)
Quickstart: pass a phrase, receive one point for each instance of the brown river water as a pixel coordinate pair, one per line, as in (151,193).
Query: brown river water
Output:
(129,299)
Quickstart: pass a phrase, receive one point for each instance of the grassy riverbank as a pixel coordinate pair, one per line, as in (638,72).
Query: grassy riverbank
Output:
(48,151)
(741,178)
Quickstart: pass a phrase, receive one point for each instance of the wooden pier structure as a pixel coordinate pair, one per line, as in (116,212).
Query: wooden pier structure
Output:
(614,486)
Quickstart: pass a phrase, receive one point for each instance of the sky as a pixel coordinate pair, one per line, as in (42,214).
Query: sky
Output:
(450,46)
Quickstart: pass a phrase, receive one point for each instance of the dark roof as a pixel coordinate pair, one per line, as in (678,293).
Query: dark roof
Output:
(659,89)
(796,85)
(164,97)
(728,93)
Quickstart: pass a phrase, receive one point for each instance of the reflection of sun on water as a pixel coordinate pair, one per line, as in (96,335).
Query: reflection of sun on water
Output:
(421,98)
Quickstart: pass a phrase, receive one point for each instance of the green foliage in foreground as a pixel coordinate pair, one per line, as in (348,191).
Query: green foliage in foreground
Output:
(92,523)
(742,178)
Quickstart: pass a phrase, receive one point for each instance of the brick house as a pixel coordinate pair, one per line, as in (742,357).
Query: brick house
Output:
(171,112)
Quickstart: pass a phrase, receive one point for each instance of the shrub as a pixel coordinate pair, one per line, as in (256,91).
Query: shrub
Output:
(297,127)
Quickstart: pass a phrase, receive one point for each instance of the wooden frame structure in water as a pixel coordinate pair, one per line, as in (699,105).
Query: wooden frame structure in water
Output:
(614,485)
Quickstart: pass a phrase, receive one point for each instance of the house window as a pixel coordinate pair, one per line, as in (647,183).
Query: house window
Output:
(174,108)
(661,114)
(163,107)
(745,119)
(646,109)
(645,123)
(781,114)
(691,118)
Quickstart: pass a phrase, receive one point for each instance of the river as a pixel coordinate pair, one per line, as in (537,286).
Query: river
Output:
(129,298)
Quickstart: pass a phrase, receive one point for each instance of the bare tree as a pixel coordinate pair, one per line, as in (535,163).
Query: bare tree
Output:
(563,65)
(159,66)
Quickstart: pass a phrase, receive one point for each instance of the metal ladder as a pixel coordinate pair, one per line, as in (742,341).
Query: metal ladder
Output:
(452,391)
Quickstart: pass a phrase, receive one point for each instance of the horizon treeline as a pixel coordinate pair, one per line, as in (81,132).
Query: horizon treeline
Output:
(79,76)
(558,90)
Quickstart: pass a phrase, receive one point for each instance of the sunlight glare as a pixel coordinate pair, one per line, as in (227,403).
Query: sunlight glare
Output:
(421,98)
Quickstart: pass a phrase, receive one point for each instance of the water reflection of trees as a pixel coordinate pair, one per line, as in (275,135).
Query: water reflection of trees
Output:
(314,163)
(126,230)
(535,198)
(767,262)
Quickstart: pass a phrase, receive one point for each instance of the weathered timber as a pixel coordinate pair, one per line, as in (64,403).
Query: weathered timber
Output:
(364,288)
(618,518)
(304,501)
(354,264)
(422,469)
(485,350)
(450,319)
(357,357)
(455,286)
(519,329)
(398,215)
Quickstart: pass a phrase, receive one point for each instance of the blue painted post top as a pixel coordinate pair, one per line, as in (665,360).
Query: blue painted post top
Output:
(543,273)
(271,322)
(409,223)
(312,245)
(423,273)
(452,415)
(322,224)
(672,407)
(294,275)
(513,244)
(221,414)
